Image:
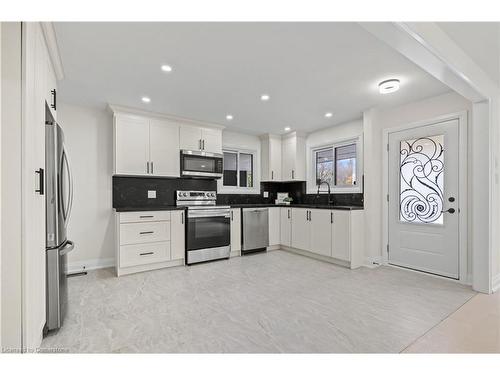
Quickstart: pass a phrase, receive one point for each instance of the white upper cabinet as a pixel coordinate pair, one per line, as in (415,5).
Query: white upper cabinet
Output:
(271,158)
(164,148)
(293,158)
(146,146)
(131,145)
(200,139)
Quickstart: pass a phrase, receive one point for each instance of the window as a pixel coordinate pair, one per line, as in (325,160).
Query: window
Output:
(337,165)
(238,171)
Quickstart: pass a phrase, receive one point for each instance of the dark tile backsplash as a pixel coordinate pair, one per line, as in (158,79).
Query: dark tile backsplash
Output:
(133,192)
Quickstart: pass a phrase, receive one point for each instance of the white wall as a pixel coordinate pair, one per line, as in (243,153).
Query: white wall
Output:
(338,133)
(375,121)
(240,141)
(89,139)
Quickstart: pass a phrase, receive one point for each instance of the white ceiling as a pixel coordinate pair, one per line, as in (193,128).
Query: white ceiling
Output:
(219,68)
(479,40)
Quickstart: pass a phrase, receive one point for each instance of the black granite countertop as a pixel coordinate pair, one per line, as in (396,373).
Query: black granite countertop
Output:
(149,208)
(319,206)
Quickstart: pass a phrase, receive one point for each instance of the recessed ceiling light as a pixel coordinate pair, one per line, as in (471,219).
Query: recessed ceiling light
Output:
(145,99)
(166,68)
(388,86)
(265,97)
(287,129)
(229,117)
(328,114)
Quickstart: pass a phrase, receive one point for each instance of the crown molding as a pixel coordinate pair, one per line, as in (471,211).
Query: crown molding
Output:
(119,109)
(53,49)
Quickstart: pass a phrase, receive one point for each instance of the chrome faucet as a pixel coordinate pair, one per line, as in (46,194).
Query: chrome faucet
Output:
(321,182)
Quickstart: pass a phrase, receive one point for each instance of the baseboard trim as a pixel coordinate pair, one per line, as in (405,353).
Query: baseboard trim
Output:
(90,264)
(495,283)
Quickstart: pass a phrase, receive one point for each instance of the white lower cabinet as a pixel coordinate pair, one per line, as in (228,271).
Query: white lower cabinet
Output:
(149,240)
(320,226)
(286,226)
(335,234)
(235,231)
(274,226)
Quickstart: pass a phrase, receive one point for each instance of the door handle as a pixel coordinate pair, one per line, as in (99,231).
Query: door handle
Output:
(41,182)
(148,253)
(272,175)
(70,245)
(449,210)
(288,214)
(152,167)
(331,217)
(232,219)
(182,217)
(148,232)
(203,143)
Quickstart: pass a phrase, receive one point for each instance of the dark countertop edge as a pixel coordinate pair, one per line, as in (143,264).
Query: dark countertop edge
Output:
(137,209)
(321,207)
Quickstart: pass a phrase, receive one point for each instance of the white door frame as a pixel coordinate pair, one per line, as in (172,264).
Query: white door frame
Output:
(464,276)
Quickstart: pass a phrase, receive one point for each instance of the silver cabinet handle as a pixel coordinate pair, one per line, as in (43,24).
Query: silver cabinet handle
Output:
(148,253)
(199,142)
(145,216)
(232,218)
(148,232)
(272,175)
(182,217)
(310,215)
(293,174)
(152,168)
(331,217)
(147,167)
(288,213)
(67,212)
(203,145)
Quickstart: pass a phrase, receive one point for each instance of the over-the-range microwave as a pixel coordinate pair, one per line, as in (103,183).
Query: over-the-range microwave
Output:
(201,164)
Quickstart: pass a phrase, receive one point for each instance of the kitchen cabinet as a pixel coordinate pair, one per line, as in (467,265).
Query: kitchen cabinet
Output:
(146,146)
(340,235)
(286,226)
(235,231)
(270,158)
(164,148)
(320,227)
(301,231)
(274,226)
(200,139)
(148,240)
(293,156)
(335,234)
(177,235)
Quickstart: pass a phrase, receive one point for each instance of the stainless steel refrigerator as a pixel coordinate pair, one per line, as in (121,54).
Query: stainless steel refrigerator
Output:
(59,196)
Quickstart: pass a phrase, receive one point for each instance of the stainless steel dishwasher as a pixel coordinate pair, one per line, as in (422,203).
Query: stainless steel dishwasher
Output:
(255,230)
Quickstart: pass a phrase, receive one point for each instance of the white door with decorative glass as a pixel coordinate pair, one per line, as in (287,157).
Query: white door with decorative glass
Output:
(423,199)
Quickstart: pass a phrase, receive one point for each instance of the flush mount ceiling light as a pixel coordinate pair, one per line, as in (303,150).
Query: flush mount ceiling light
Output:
(229,117)
(145,99)
(287,129)
(265,97)
(166,68)
(388,86)
(328,114)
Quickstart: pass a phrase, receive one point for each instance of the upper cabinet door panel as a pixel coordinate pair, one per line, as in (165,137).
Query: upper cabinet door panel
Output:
(132,145)
(211,140)
(190,138)
(164,148)
(275,159)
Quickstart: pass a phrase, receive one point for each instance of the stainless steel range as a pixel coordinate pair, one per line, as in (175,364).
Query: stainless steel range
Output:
(208,226)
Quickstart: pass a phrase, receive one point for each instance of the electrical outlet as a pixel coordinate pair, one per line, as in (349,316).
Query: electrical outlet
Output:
(266,194)
(151,194)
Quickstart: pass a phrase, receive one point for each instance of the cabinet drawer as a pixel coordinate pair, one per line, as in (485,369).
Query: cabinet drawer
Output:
(131,233)
(135,217)
(134,255)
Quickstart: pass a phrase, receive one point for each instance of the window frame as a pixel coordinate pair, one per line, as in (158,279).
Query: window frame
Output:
(312,188)
(255,189)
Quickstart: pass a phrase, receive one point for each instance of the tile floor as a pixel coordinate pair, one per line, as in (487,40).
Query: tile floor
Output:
(474,328)
(271,302)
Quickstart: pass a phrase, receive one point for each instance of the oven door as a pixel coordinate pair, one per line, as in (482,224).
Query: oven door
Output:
(208,228)
(201,164)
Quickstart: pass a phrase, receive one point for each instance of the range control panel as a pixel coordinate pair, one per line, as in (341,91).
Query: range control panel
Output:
(190,195)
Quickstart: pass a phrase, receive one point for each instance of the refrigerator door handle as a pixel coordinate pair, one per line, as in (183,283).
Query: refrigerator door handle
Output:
(70,245)
(67,211)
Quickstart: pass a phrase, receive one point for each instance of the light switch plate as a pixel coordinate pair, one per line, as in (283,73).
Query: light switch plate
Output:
(151,194)
(266,194)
